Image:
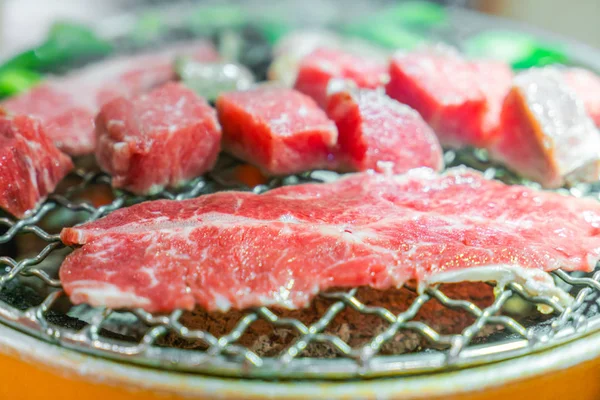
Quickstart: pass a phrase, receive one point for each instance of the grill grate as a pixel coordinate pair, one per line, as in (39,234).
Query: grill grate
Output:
(407,333)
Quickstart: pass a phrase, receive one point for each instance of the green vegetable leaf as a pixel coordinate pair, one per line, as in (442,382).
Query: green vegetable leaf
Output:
(518,49)
(541,57)
(27,59)
(206,19)
(66,42)
(385,34)
(70,40)
(273,30)
(14,81)
(420,14)
(148,27)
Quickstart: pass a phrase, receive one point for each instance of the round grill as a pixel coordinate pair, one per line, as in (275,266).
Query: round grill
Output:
(408,332)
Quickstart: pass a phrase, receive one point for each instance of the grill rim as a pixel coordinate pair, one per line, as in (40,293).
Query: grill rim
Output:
(97,370)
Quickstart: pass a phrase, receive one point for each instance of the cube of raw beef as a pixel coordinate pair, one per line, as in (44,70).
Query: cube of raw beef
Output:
(290,50)
(30,165)
(495,80)
(586,85)
(67,105)
(376,132)
(322,65)
(68,122)
(458,98)
(280,130)
(545,132)
(160,139)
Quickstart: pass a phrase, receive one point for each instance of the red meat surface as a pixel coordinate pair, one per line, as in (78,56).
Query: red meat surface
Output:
(238,249)
(495,80)
(67,105)
(163,138)
(68,123)
(280,130)
(586,85)
(376,132)
(545,133)
(322,65)
(459,99)
(30,165)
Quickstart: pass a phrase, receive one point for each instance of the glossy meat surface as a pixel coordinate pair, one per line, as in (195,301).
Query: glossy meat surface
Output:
(238,249)
(460,99)
(322,65)
(30,165)
(279,130)
(67,105)
(586,86)
(545,132)
(376,132)
(160,139)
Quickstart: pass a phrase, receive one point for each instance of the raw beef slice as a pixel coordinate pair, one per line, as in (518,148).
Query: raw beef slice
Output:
(586,85)
(376,132)
(238,249)
(30,165)
(322,65)
(67,105)
(280,130)
(460,99)
(163,138)
(545,133)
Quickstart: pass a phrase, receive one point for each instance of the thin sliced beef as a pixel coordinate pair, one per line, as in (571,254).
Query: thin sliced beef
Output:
(322,65)
(163,138)
(30,165)
(586,85)
(280,130)
(238,249)
(376,132)
(545,133)
(67,105)
(460,99)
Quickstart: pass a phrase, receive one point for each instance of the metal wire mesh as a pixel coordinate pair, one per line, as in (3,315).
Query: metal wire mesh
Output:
(344,334)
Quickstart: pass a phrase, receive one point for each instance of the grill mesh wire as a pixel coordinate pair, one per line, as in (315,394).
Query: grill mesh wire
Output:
(31,300)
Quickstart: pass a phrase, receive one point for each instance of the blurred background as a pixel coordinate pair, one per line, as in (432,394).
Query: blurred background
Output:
(25,22)
(578,19)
